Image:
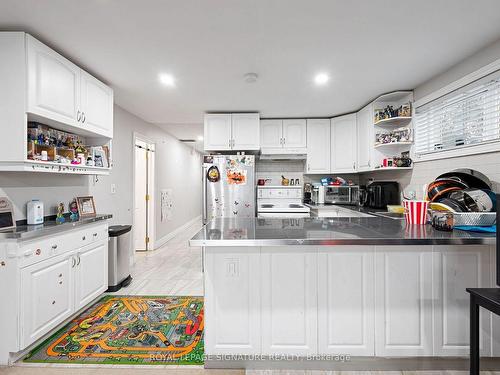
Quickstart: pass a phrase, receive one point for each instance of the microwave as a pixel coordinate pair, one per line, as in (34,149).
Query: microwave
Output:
(342,195)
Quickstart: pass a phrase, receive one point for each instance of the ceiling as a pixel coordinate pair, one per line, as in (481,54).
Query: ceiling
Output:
(367,47)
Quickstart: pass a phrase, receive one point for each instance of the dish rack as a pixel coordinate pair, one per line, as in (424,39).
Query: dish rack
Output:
(480,219)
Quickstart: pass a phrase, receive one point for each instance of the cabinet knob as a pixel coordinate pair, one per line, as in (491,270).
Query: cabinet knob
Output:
(60,275)
(54,247)
(78,116)
(2,263)
(95,234)
(83,117)
(84,238)
(53,302)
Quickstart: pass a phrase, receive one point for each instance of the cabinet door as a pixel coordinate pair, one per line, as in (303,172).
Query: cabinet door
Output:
(53,84)
(346,300)
(46,297)
(217,132)
(289,300)
(343,144)
(318,146)
(96,106)
(246,131)
(457,268)
(294,133)
(365,138)
(271,134)
(232,301)
(92,273)
(403,301)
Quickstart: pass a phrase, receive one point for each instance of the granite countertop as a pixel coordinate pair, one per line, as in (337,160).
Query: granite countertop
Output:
(28,232)
(329,231)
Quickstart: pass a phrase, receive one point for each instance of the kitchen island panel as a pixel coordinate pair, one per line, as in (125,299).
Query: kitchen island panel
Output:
(346,300)
(403,301)
(456,268)
(232,301)
(289,300)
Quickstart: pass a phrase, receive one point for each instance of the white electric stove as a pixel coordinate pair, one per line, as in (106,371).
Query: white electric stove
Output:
(281,202)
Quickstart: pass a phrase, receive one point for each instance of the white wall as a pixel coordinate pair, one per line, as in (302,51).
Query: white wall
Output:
(177,166)
(52,189)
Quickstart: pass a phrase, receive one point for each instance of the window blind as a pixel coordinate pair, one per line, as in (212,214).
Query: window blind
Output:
(460,119)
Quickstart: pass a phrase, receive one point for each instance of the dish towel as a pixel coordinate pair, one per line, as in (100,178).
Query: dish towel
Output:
(490,229)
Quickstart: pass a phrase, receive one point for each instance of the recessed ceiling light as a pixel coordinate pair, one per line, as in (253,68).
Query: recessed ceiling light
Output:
(251,77)
(321,79)
(200,138)
(167,79)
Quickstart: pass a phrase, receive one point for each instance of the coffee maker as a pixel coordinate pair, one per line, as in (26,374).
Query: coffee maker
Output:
(307,193)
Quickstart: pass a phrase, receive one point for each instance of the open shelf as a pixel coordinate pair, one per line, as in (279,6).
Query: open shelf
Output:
(394,121)
(393,144)
(51,167)
(392,169)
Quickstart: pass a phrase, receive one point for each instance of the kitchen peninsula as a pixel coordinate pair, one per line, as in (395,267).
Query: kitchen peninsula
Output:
(364,287)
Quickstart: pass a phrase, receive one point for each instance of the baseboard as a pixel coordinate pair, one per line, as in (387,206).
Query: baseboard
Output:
(162,241)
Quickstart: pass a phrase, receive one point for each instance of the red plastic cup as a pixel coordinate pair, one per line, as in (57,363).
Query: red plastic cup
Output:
(416,211)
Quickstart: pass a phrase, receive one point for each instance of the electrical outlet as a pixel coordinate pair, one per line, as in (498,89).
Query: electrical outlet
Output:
(113,188)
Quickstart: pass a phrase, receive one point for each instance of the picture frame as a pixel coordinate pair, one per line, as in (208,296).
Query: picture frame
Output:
(86,206)
(100,158)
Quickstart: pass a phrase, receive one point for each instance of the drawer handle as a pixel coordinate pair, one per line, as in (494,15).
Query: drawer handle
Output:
(78,260)
(54,247)
(73,262)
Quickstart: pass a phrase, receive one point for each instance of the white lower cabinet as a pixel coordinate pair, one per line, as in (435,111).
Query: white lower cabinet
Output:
(54,289)
(457,268)
(232,301)
(289,300)
(46,297)
(403,301)
(345,300)
(372,301)
(91,275)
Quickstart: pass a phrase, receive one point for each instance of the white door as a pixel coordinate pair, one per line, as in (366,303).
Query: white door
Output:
(46,297)
(53,84)
(217,132)
(457,268)
(232,301)
(271,134)
(365,139)
(318,146)
(346,300)
(289,300)
(403,301)
(140,198)
(91,273)
(343,144)
(96,106)
(246,131)
(294,133)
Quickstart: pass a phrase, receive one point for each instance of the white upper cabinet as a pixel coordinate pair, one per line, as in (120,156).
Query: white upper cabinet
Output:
(53,84)
(245,131)
(364,139)
(217,131)
(343,143)
(294,133)
(61,92)
(271,134)
(318,146)
(226,131)
(96,106)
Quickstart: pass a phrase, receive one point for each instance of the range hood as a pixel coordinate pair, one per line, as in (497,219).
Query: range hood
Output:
(283,154)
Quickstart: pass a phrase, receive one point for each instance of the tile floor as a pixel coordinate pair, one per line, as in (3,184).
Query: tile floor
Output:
(173,269)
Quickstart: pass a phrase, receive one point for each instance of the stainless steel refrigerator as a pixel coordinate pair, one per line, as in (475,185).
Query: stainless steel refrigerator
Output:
(228,186)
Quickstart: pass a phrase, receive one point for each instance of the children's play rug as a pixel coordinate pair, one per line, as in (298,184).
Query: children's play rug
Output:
(130,330)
